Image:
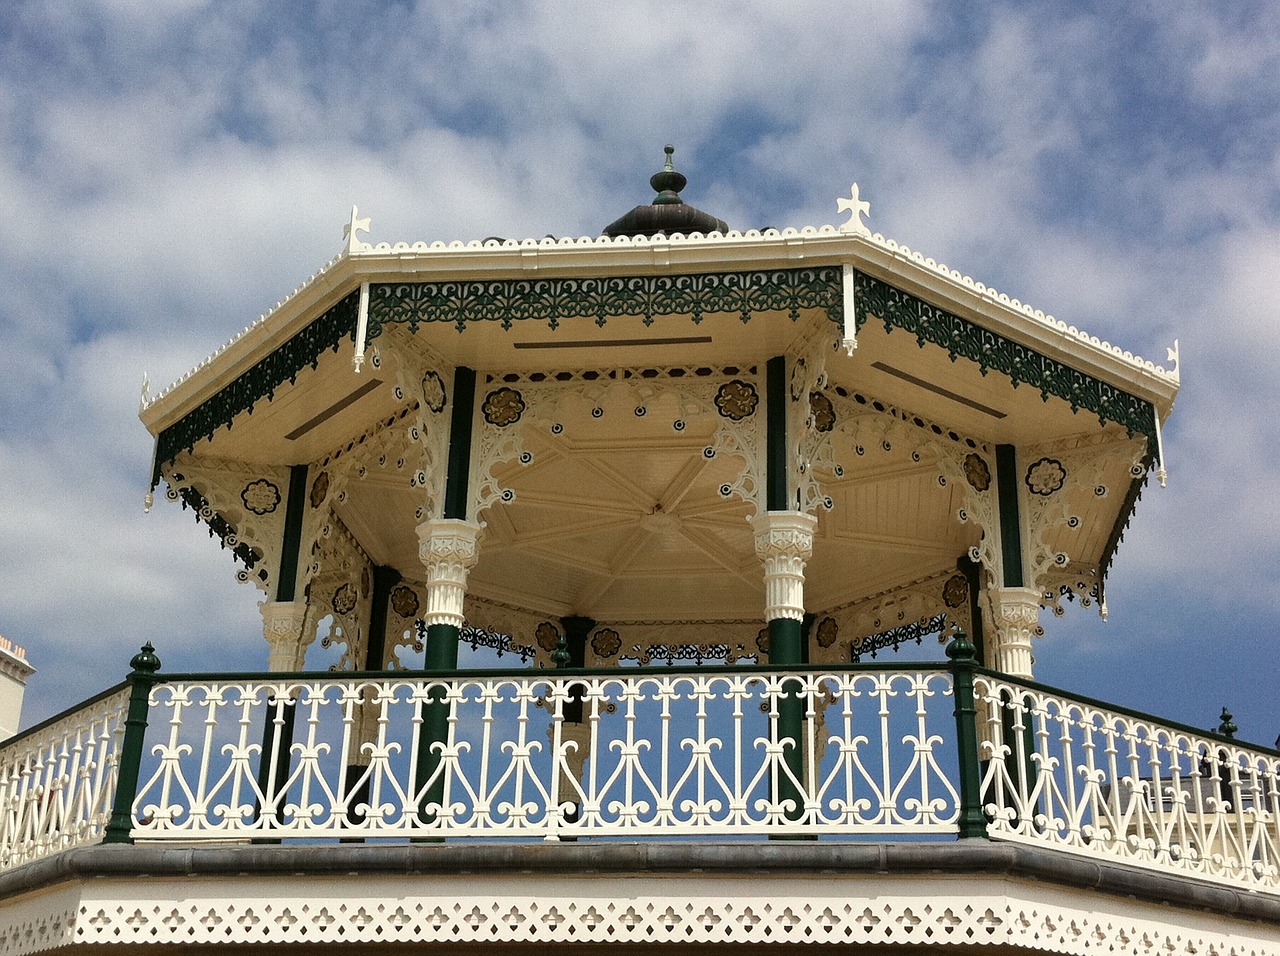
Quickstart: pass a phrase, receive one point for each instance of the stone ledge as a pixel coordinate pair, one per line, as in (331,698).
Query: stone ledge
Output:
(983,857)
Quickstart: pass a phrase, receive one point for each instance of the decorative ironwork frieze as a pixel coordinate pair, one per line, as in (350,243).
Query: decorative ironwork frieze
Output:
(553,300)
(669,654)
(1024,366)
(259,382)
(219,526)
(478,637)
(1138,480)
(895,637)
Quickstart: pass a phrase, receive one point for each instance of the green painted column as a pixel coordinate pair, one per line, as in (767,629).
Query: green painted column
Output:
(1015,605)
(375,652)
(294,509)
(447,549)
(1010,516)
(784,542)
(972,572)
(283,621)
(576,630)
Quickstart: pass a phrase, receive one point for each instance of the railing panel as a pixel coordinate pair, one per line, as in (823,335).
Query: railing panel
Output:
(1078,776)
(57,783)
(653,754)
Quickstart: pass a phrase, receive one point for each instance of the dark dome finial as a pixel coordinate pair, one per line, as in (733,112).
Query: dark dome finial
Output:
(668,213)
(668,183)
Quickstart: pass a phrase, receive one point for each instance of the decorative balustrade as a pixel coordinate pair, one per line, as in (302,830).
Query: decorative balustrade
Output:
(1088,778)
(57,780)
(652,753)
(927,750)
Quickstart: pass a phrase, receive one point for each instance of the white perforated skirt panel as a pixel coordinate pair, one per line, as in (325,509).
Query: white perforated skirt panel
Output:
(923,911)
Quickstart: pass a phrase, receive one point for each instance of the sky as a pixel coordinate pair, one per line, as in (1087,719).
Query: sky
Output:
(169,171)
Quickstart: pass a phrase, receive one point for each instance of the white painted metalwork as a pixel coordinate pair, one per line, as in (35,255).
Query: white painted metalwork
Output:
(554,912)
(654,754)
(1079,777)
(58,783)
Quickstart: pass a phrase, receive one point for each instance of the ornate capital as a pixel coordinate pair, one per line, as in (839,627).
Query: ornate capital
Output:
(784,542)
(447,548)
(284,625)
(1015,614)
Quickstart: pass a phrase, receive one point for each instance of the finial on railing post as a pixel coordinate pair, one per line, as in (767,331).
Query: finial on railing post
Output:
(964,661)
(1227,727)
(129,757)
(560,656)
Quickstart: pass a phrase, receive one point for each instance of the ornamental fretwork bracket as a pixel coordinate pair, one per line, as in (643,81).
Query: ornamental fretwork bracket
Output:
(1058,483)
(423,380)
(933,607)
(243,507)
(807,426)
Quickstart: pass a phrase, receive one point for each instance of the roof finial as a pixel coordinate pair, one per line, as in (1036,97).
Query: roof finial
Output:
(857,207)
(668,183)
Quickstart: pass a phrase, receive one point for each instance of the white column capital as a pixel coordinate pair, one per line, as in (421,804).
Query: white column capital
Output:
(784,542)
(1016,619)
(283,625)
(784,533)
(448,550)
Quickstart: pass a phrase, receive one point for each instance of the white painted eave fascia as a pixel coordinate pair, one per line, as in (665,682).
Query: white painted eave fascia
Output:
(880,257)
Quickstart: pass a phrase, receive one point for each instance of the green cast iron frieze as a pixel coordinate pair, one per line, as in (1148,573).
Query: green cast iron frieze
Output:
(553,300)
(1024,366)
(261,381)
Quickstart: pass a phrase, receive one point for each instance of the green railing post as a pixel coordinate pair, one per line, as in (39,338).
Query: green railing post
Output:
(141,679)
(963,662)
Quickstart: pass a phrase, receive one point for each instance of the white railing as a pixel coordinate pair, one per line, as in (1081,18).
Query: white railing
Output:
(57,782)
(653,754)
(1081,777)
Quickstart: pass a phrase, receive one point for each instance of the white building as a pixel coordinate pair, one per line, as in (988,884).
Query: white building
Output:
(14,672)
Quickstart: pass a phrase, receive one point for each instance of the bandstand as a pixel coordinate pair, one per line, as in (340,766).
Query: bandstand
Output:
(674,587)
(661,449)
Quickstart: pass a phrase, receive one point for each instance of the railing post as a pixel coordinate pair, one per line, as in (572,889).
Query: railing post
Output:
(963,662)
(141,679)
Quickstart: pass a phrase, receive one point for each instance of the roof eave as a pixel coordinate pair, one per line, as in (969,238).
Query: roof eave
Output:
(877,256)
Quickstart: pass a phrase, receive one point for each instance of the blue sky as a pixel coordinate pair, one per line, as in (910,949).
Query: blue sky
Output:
(169,171)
